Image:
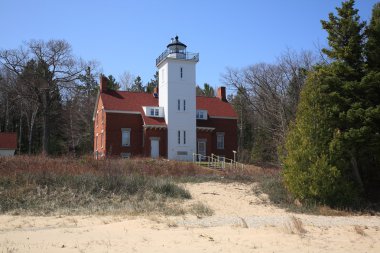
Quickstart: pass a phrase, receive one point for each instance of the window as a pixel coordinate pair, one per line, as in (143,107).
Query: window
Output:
(156,112)
(151,111)
(101,140)
(184,105)
(96,142)
(184,137)
(220,140)
(179,137)
(179,104)
(181,72)
(201,114)
(125,137)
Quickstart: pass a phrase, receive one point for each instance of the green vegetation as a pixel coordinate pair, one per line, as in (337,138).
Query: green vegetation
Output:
(333,148)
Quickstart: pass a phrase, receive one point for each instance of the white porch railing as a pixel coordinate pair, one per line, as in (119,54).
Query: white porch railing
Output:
(217,162)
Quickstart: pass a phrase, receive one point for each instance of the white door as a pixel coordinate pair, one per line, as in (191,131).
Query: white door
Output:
(202,147)
(154,148)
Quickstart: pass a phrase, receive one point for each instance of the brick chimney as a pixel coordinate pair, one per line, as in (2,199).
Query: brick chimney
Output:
(103,83)
(222,94)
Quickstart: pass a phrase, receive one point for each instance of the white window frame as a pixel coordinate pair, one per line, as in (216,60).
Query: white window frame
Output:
(128,140)
(152,111)
(201,114)
(156,112)
(220,140)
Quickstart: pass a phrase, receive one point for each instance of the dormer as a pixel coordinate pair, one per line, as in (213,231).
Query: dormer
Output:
(201,114)
(154,111)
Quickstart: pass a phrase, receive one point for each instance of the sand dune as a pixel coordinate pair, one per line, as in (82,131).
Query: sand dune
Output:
(242,222)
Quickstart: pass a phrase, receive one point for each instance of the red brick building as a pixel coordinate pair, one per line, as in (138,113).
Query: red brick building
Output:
(172,122)
(118,110)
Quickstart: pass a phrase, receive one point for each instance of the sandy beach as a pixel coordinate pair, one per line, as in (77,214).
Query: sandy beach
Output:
(242,222)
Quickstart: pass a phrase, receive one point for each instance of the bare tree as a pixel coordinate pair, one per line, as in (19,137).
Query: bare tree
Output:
(57,70)
(271,92)
(126,80)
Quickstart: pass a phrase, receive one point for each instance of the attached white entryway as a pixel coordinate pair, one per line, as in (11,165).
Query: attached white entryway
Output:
(154,147)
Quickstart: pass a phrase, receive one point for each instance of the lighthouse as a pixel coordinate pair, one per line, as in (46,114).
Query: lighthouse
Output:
(177,97)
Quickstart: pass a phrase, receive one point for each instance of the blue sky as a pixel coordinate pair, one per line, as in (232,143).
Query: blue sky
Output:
(131,34)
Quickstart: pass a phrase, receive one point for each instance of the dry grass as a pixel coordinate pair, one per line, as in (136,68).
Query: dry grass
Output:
(295,226)
(360,230)
(201,210)
(41,185)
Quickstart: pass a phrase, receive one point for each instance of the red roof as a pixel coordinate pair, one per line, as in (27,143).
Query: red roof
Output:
(134,101)
(216,107)
(8,141)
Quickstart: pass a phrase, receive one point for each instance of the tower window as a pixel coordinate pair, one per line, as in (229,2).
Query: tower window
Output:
(184,105)
(179,104)
(179,137)
(181,72)
(184,137)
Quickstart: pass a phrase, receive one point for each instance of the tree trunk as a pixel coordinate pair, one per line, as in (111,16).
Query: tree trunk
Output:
(45,123)
(6,115)
(356,172)
(31,125)
(20,133)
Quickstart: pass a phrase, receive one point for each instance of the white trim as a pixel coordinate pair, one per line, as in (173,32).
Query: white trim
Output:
(119,111)
(154,126)
(206,128)
(218,117)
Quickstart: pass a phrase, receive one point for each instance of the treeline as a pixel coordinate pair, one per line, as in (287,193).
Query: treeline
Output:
(47,96)
(318,117)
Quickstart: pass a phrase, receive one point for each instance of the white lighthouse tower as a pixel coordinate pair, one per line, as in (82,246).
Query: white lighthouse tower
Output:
(177,96)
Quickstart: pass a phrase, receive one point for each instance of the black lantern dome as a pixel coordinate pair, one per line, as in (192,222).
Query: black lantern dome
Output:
(176,46)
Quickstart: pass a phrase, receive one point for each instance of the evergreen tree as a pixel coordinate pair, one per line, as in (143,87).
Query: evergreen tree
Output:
(345,36)
(152,83)
(112,84)
(333,149)
(137,85)
(373,43)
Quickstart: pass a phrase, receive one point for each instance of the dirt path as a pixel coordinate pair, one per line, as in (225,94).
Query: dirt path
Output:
(242,222)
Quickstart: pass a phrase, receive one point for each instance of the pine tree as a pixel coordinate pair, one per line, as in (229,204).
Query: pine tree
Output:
(152,83)
(112,84)
(345,36)
(309,169)
(373,44)
(137,85)
(333,149)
